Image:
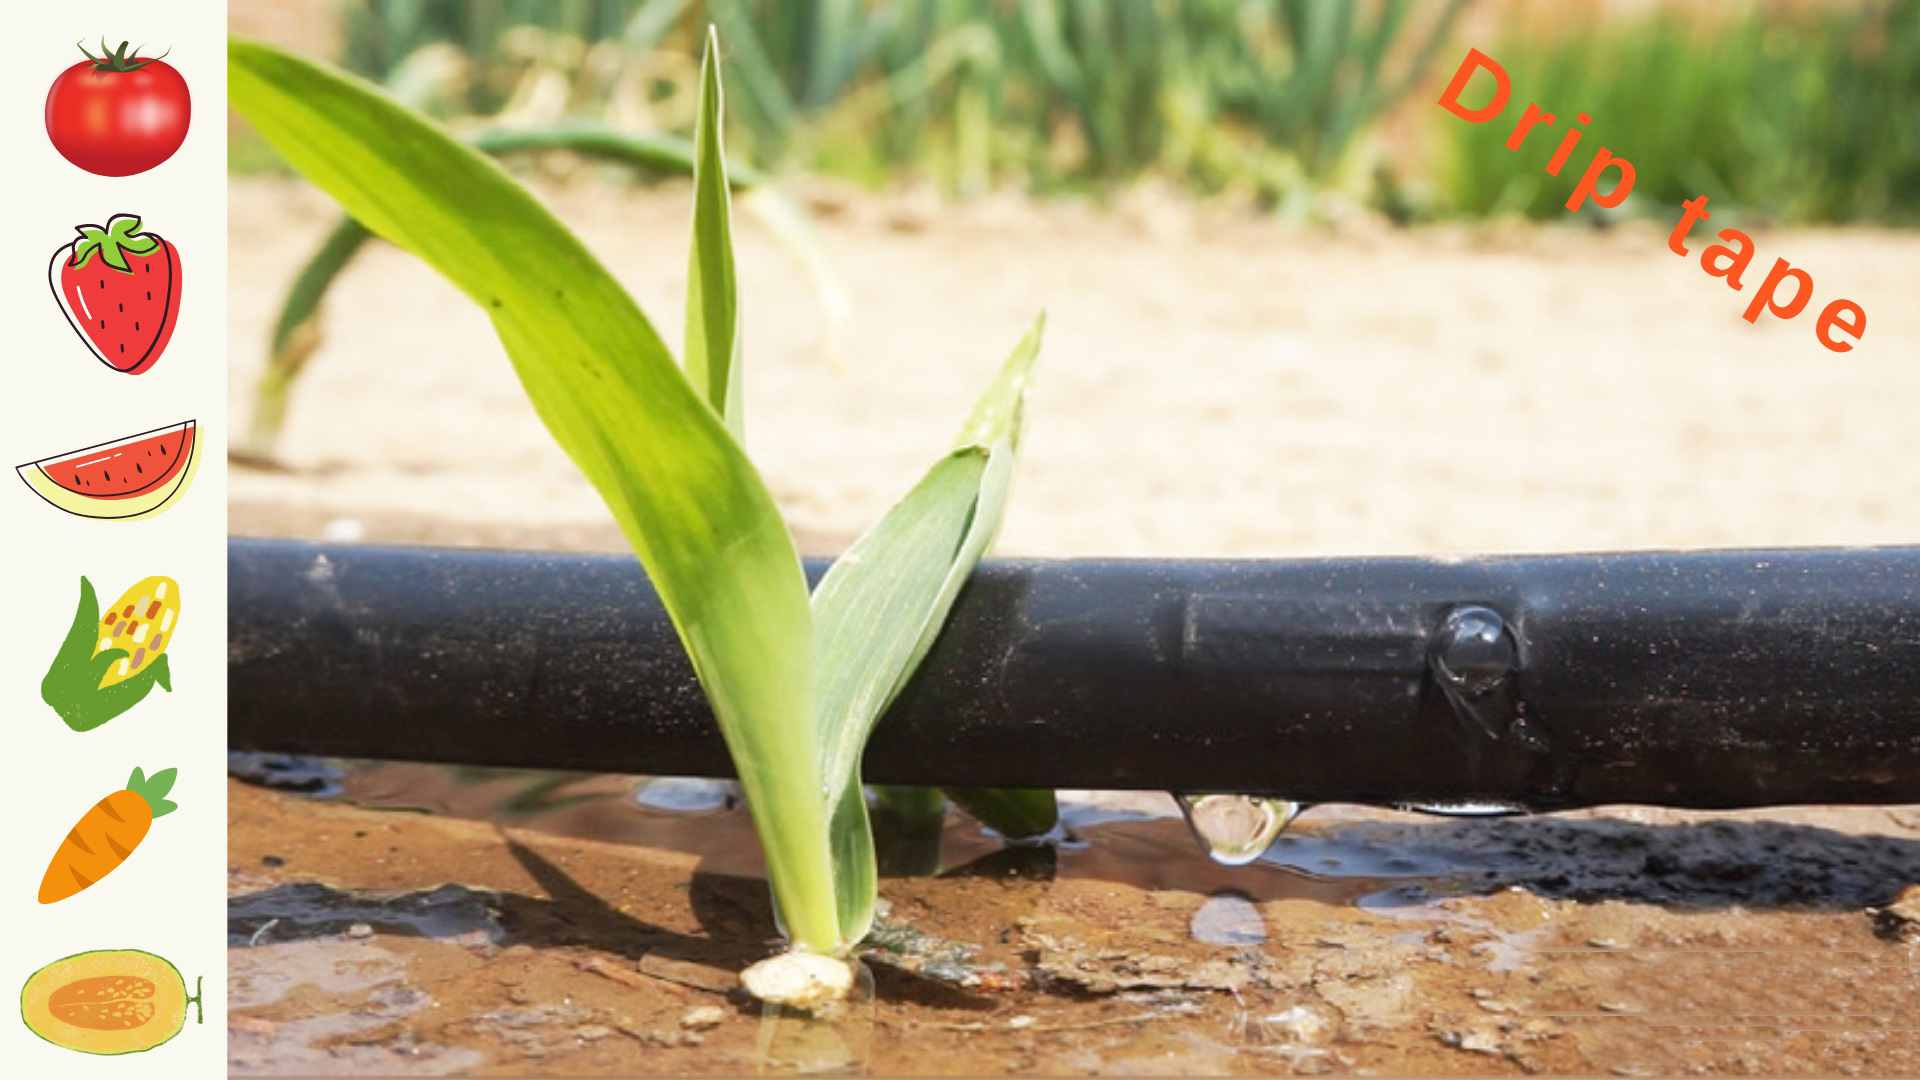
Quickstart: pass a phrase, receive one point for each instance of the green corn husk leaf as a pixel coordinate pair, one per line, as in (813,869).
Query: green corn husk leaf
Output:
(683,491)
(881,606)
(72,683)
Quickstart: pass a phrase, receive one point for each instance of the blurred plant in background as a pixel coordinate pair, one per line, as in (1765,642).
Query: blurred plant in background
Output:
(1793,116)
(1790,112)
(1782,113)
(1266,98)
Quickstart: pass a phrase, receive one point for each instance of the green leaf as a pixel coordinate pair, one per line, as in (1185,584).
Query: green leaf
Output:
(908,824)
(123,230)
(1000,412)
(600,378)
(713,304)
(154,789)
(881,606)
(72,683)
(77,647)
(111,251)
(1015,813)
(296,331)
(107,702)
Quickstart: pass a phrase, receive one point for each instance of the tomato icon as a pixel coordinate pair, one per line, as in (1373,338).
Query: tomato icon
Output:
(116,115)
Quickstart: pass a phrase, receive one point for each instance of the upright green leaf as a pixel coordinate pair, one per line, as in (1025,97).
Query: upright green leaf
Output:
(154,789)
(881,606)
(600,378)
(1000,412)
(713,303)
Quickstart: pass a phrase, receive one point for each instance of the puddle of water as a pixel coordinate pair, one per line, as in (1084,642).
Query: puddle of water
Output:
(1342,855)
(1505,950)
(836,1041)
(319,777)
(308,910)
(362,989)
(686,794)
(1350,853)
(1133,837)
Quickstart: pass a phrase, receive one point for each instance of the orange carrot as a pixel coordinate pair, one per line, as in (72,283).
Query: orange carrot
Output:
(105,835)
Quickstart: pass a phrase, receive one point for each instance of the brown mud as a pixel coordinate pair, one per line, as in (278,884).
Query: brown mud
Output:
(1631,942)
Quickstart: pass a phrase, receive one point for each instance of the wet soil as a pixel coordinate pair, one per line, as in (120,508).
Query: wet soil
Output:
(1633,942)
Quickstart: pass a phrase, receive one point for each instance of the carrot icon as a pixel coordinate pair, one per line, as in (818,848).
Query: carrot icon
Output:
(105,835)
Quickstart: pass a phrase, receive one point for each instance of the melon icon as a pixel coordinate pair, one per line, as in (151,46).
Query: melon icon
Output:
(128,478)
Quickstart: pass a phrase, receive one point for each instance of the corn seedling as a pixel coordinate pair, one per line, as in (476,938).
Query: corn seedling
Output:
(795,682)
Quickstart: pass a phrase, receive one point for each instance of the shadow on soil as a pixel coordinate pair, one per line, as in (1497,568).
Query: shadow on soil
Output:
(733,910)
(1755,865)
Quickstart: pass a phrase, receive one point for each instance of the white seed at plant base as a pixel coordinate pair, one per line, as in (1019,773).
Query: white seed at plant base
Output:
(702,1017)
(800,980)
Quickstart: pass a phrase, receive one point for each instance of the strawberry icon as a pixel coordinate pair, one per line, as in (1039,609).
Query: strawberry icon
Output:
(120,288)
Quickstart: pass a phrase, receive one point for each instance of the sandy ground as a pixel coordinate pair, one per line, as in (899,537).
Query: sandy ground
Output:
(1210,384)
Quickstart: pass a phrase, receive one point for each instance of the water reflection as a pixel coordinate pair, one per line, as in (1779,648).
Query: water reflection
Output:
(837,1039)
(1349,854)
(1116,837)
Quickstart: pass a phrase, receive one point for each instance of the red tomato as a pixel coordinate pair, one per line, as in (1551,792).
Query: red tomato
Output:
(118,115)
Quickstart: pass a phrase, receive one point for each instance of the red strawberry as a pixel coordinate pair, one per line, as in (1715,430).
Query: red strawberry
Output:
(120,288)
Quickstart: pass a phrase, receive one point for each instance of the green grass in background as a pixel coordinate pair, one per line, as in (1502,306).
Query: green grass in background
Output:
(1262,97)
(1795,116)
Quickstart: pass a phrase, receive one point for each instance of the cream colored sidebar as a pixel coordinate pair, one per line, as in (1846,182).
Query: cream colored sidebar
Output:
(113,585)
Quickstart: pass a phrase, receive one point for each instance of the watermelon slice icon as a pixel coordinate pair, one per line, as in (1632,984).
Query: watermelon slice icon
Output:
(129,478)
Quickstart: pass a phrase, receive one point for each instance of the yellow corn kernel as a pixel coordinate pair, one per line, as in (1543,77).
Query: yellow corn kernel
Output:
(141,622)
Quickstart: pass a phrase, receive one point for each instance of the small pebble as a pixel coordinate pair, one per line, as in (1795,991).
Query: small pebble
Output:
(359,930)
(273,860)
(702,1017)
(1476,1042)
